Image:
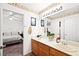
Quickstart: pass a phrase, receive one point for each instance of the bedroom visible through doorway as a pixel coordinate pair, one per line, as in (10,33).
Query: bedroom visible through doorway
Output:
(12,33)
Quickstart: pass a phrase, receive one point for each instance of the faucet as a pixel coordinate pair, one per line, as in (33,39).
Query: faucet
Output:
(64,42)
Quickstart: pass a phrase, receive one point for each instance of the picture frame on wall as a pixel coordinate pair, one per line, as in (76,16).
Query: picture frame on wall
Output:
(42,23)
(33,21)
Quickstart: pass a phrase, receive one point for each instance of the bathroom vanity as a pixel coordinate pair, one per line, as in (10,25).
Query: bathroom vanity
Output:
(41,49)
(44,47)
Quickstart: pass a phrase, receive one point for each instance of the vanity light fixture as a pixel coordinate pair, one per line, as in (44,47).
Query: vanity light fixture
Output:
(53,11)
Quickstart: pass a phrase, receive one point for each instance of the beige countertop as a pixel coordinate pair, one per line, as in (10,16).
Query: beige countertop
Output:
(71,47)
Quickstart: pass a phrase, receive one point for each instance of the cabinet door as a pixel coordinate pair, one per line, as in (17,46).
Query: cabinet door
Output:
(54,52)
(43,50)
(35,47)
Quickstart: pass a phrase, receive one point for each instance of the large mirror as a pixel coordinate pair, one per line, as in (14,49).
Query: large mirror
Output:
(69,23)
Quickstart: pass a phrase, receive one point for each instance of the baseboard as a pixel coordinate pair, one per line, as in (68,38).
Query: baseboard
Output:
(30,54)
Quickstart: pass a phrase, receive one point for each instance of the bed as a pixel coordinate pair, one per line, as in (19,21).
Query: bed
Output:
(11,38)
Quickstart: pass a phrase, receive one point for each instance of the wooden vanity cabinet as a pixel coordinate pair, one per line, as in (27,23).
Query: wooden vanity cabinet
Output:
(39,48)
(35,47)
(54,52)
(43,50)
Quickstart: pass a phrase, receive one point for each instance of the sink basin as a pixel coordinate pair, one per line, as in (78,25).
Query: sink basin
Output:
(72,48)
(69,48)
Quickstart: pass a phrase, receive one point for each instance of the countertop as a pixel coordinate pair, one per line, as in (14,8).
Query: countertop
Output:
(69,47)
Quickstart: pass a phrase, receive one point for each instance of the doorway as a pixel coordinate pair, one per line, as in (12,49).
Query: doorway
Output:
(12,33)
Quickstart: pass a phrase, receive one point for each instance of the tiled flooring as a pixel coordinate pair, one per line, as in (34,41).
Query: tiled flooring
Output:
(13,50)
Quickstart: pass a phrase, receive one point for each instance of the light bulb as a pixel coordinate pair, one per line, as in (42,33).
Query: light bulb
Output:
(11,13)
(10,18)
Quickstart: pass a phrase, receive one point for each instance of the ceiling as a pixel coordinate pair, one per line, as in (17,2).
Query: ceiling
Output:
(38,7)
(11,15)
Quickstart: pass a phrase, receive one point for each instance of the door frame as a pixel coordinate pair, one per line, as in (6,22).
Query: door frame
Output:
(2,29)
(1,38)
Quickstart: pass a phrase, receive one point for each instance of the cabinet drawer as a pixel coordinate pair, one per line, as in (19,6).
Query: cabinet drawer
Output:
(54,52)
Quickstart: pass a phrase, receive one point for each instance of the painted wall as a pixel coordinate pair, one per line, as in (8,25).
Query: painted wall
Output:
(12,25)
(36,30)
(69,27)
(27,37)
